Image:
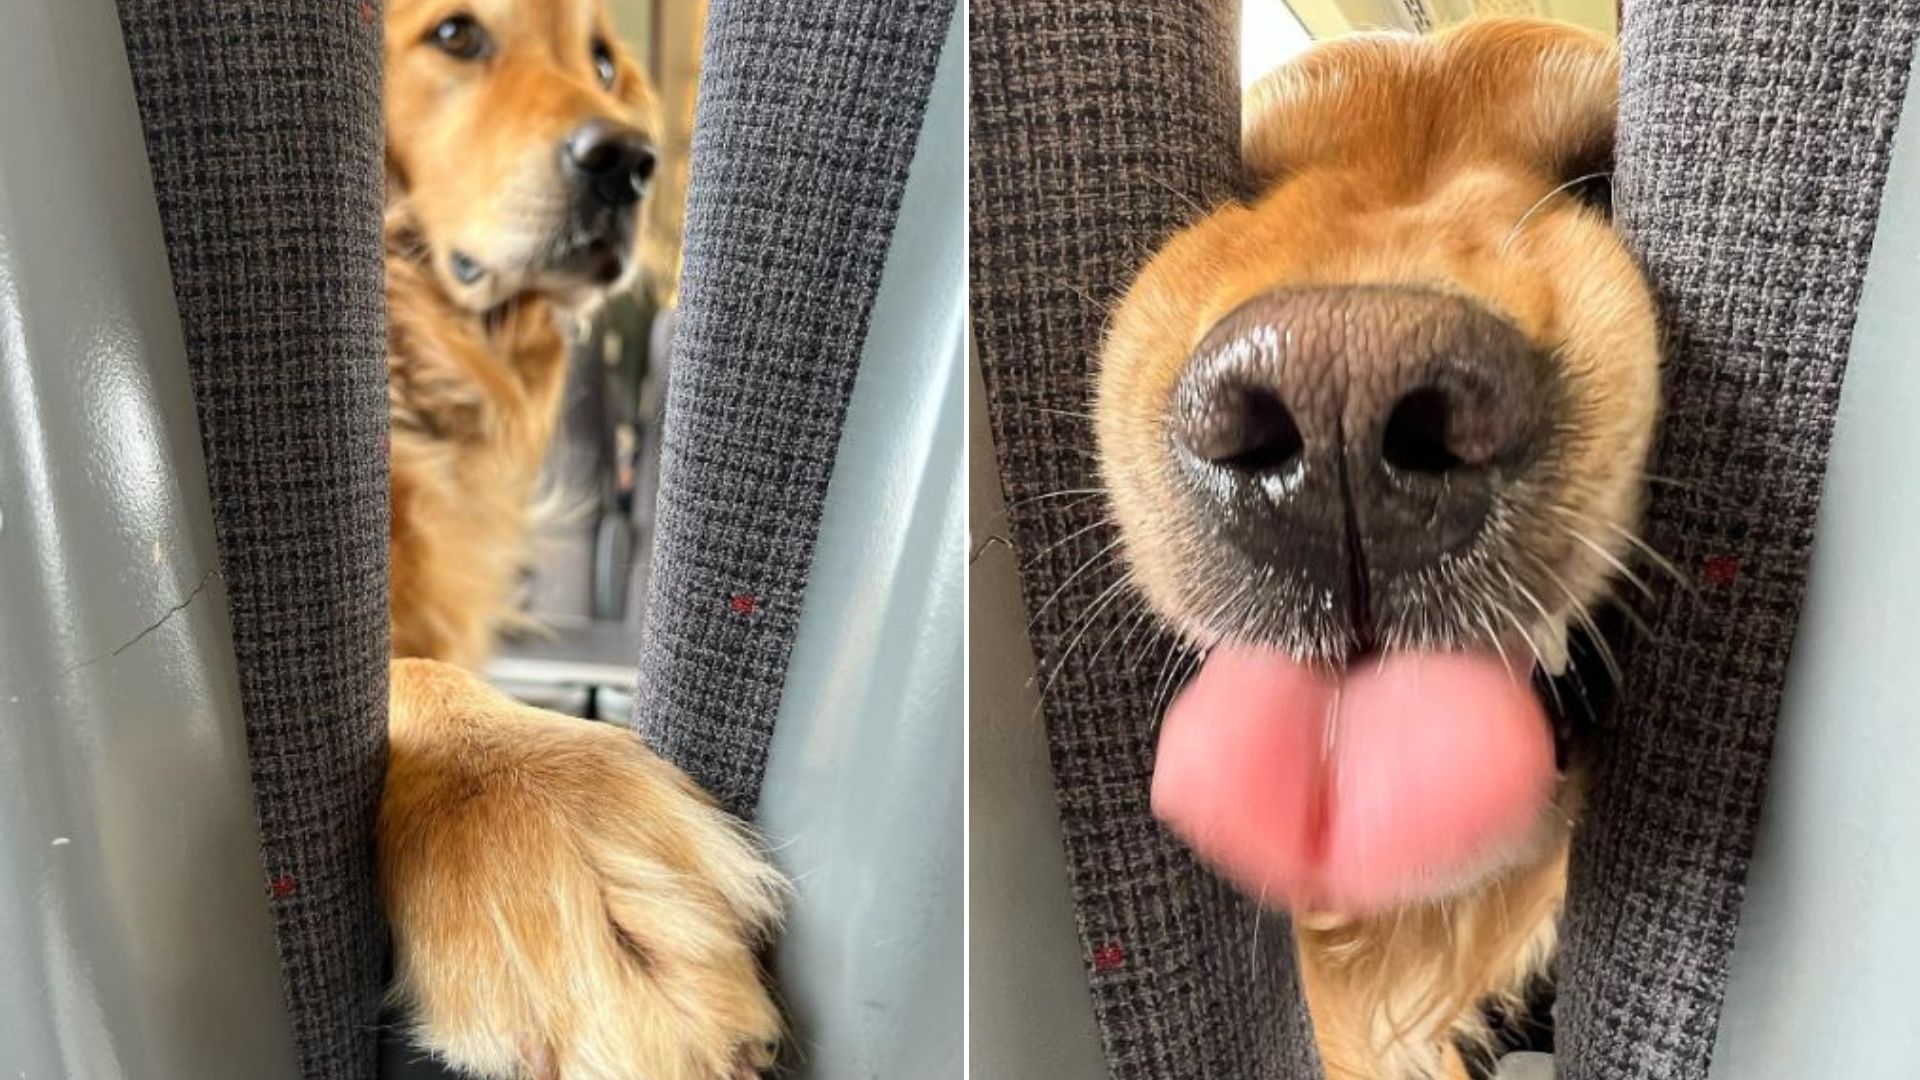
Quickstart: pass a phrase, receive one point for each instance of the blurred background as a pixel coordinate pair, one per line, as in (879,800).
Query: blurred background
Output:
(587,589)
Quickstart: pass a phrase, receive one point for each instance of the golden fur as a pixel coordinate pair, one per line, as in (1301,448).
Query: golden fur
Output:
(475,370)
(473,408)
(565,905)
(1432,162)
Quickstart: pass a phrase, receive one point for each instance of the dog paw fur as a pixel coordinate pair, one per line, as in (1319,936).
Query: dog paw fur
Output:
(565,905)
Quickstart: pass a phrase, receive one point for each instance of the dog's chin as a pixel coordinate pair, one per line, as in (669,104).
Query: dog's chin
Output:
(581,280)
(574,278)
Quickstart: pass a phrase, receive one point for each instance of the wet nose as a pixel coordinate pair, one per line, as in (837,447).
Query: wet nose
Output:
(1358,433)
(612,161)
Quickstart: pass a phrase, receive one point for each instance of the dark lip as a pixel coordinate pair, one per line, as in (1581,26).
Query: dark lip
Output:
(601,246)
(601,260)
(466,269)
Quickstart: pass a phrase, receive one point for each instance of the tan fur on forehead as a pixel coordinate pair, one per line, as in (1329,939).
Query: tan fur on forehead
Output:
(544,48)
(1538,94)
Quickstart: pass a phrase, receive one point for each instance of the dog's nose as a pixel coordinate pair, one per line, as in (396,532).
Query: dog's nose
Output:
(611,160)
(1356,434)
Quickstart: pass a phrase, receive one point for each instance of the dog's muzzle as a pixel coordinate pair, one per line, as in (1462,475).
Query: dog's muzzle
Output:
(1353,439)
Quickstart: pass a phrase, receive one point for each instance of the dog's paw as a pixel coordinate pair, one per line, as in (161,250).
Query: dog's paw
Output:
(565,905)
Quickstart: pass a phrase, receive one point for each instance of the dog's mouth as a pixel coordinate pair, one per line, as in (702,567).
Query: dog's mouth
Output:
(1366,527)
(1354,757)
(590,252)
(1400,775)
(1377,739)
(594,247)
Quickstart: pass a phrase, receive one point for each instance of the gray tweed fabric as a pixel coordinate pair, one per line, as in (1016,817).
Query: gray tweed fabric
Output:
(809,114)
(263,127)
(1754,142)
(1099,127)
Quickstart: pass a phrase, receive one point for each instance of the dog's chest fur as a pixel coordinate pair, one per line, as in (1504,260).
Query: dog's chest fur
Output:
(473,401)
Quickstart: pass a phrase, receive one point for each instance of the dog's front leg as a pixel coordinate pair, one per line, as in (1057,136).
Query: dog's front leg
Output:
(565,905)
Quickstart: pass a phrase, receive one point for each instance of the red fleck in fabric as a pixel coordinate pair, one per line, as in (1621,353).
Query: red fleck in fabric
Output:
(1108,957)
(745,604)
(1721,570)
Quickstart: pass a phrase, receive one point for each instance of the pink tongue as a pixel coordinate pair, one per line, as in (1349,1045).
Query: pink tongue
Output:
(1358,790)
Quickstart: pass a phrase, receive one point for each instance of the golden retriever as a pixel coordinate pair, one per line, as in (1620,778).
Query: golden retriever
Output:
(564,904)
(1374,439)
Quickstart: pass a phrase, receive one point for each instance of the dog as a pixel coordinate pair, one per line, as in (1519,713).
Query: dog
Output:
(564,904)
(1374,440)
(517,159)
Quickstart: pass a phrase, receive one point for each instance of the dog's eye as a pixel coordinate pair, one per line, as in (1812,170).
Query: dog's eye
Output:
(1595,189)
(1592,187)
(603,64)
(462,36)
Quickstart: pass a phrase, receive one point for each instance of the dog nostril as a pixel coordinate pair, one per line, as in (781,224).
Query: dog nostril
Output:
(1246,428)
(594,148)
(611,160)
(1416,436)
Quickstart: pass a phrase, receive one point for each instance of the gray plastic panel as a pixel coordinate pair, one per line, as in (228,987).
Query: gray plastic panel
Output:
(1826,970)
(134,940)
(864,786)
(1031,1014)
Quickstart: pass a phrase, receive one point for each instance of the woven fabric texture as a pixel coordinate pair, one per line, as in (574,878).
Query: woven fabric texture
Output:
(1098,129)
(1754,142)
(809,114)
(264,132)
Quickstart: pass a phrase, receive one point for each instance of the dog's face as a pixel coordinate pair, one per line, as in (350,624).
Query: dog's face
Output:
(1398,404)
(518,136)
